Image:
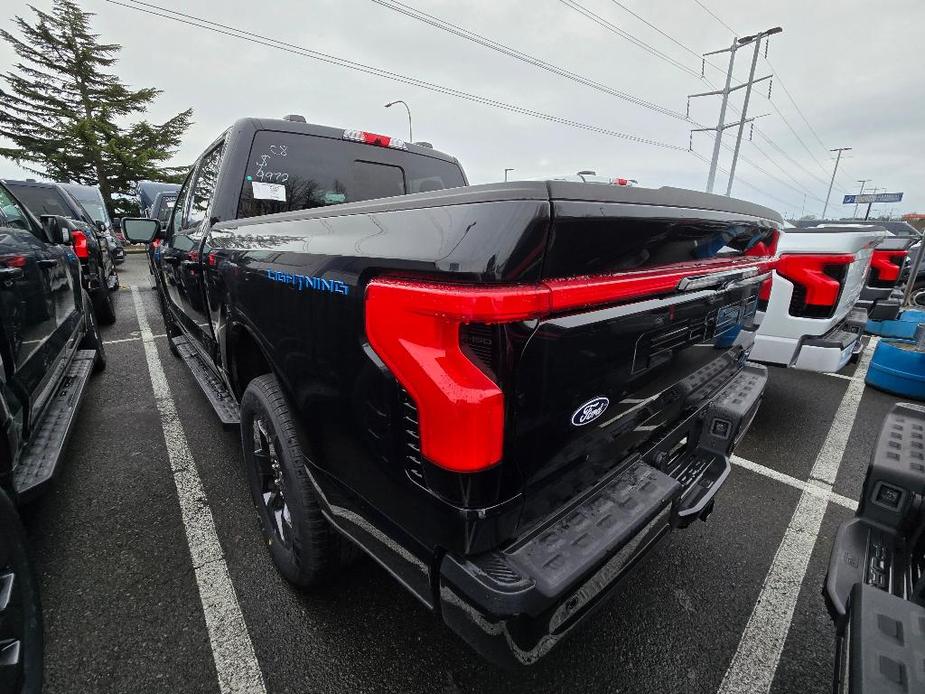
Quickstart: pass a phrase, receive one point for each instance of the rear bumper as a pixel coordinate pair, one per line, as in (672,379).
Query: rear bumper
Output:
(514,604)
(825,353)
(880,303)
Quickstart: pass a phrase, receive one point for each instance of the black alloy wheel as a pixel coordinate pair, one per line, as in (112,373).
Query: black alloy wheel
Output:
(270,481)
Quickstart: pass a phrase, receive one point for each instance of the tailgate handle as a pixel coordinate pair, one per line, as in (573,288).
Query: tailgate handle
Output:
(689,284)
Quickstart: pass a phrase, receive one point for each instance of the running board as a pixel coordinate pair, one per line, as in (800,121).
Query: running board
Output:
(40,458)
(219,397)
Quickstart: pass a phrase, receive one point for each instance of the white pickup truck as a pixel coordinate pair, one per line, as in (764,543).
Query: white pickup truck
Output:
(807,317)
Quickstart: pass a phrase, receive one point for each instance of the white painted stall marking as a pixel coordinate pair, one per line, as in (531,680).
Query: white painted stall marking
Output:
(809,487)
(232,649)
(755,661)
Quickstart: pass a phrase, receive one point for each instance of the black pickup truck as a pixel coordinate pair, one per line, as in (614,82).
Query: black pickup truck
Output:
(492,390)
(49,345)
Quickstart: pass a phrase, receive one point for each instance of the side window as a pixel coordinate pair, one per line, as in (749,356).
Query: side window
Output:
(178,220)
(13,215)
(204,186)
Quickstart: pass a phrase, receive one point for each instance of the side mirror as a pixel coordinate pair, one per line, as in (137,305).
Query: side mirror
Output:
(140,229)
(56,228)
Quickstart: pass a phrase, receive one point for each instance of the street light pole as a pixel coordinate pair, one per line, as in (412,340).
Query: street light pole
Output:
(505,174)
(863,182)
(832,182)
(408,109)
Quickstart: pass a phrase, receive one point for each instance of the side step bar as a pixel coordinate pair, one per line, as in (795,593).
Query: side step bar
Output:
(39,460)
(219,397)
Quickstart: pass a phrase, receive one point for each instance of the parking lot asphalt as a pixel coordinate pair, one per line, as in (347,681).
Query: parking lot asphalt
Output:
(124,612)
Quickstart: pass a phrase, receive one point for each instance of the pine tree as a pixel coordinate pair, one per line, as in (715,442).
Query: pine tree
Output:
(65,115)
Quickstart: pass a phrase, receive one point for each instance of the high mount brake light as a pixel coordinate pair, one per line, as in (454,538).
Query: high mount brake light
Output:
(414,327)
(81,248)
(374,139)
(819,290)
(885,266)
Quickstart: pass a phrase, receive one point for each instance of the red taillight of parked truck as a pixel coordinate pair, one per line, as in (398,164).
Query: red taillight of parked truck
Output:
(81,248)
(885,267)
(415,328)
(817,280)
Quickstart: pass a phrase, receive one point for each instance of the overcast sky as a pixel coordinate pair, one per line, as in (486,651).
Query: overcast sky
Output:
(854,68)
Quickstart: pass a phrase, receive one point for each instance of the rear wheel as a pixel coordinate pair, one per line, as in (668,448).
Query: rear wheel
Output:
(303,545)
(92,339)
(21,640)
(102,304)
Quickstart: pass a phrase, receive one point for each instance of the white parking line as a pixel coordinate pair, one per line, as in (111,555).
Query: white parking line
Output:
(810,487)
(129,339)
(755,661)
(232,650)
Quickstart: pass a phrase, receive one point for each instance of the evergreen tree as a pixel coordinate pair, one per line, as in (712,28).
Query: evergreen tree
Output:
(66,116)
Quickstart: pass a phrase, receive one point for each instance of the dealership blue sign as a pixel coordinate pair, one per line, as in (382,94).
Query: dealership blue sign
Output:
(872,197)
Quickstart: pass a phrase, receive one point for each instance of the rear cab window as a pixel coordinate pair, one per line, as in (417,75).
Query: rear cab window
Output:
(295,171)
(42,200)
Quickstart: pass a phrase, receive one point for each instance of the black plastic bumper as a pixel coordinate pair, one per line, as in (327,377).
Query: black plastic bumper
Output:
(515,603)
(875,586)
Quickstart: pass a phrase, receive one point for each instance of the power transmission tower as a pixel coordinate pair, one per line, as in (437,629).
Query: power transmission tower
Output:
(721,125)
(832,182)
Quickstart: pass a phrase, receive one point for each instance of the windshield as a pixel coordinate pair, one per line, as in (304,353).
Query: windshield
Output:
(290,171)
(95,210)
(164,207)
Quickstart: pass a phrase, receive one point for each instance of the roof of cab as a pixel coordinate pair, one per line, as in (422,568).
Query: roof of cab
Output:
(289,126)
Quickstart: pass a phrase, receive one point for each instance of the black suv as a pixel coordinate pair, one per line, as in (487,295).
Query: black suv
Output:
(98,275)
(49,345)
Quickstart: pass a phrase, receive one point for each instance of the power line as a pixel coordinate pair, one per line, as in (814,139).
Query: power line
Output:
(597,19)
(709,12)
(744,182)
(462,32)
(504,49)
(252,37)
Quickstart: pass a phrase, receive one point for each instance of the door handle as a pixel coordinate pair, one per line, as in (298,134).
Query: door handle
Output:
(48,262)
(170,259)
(10,273)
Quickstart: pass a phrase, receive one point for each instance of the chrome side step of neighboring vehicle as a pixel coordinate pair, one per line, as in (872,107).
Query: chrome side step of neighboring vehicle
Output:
(39,460)
(222,401)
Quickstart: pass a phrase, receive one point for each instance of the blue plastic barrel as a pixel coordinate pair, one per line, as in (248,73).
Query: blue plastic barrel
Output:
(898,367)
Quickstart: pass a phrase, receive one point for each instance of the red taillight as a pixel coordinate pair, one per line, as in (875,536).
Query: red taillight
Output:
(374,139)
(764,292)
(885,266)
(81,249)
(13,260)
(414,327)
(764,248)
(817,282)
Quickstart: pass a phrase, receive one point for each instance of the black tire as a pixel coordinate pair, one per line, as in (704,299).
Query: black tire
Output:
(92,338)
(21,614)
(307,551)
(917,298)
(170,327)
(102,304)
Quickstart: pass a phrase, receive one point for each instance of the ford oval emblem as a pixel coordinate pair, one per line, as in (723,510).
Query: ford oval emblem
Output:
(590,411)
